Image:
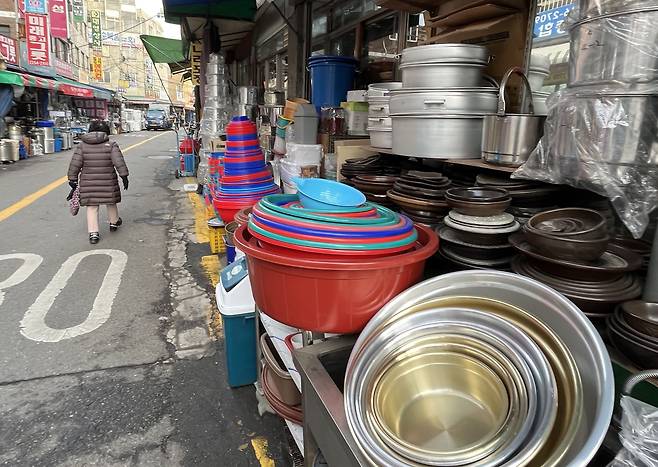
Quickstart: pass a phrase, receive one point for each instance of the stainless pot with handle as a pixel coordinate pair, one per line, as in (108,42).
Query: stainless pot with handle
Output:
(508,139)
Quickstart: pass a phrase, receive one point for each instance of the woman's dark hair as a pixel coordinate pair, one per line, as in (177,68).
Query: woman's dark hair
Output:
(97,125)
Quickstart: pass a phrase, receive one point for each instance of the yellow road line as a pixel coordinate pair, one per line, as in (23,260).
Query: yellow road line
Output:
(29,199)
(210,265)
(260,449)
(200,219)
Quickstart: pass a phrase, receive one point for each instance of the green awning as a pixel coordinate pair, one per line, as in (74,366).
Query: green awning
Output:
(165,50)
(8,77)
(174,10)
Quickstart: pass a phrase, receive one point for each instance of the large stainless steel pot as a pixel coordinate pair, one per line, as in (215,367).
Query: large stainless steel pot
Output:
(381,132)
(590,8)
(48,132)
(15,132)
(616,48)
(539,102)
(5,152)
(248,95)
(382,89)
(437,136)
(616,129)
(536,77)
(381,137)
(441,75)
(454,101)
(508,139)
(274,98)
(12,146)
(48,146)
(445,53)
(378,107)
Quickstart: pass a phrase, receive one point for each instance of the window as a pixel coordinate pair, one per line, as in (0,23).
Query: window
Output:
(380,49)
(319,26)
(107,76)
(5,30)
(344,44)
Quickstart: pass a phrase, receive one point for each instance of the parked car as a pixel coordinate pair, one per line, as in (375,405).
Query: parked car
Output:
(157,119)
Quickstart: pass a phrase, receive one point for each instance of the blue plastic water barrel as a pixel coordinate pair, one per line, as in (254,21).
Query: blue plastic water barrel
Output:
(331,77)
(59,144)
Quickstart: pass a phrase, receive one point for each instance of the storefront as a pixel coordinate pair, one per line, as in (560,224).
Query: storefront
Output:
(459,269)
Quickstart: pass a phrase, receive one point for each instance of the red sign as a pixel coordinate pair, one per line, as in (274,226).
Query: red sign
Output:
(8,49)
(58,22)
(37,40)
(76,91)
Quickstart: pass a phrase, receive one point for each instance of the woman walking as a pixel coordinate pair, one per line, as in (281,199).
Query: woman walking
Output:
(96,162)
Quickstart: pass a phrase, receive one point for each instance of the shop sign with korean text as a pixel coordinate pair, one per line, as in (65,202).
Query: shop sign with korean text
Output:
(195,61)
(58,20)
(78,10)
(9,49)
(38,53)
(96,39)
(97,67)
(35,6)
(549,23)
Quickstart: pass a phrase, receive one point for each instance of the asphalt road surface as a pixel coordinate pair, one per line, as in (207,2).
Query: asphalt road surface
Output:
(86,374)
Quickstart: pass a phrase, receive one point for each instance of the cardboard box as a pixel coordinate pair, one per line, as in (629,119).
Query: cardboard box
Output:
(351,149)
(217,145)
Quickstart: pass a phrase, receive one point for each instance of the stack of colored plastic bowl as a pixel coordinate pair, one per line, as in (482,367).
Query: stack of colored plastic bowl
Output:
(243,175)
(330,270)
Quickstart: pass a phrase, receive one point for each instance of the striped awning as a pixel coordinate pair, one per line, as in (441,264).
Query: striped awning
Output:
(39,82)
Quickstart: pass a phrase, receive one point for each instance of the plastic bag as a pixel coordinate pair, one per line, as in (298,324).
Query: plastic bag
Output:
(605,143)
(639,435)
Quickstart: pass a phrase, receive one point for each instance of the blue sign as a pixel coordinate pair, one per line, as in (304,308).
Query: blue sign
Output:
(36,6)
(548,23)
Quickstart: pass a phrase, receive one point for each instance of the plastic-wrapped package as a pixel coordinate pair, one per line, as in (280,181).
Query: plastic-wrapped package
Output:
(639,434)
(591,8)
(606,143)
(304,153)
(617,49)
(289,170)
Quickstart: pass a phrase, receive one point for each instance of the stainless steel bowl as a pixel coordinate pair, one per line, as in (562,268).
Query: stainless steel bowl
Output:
(554,312)
(516,397)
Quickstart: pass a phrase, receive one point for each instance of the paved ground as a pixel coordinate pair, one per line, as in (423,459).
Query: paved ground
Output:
(106,356)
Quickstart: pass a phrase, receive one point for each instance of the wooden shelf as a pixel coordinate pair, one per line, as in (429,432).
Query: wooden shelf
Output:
(479,164)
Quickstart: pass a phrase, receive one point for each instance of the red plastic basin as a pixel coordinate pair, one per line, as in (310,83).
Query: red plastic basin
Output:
(330,295)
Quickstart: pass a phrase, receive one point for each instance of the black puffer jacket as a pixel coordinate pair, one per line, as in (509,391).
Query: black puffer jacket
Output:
(97,160)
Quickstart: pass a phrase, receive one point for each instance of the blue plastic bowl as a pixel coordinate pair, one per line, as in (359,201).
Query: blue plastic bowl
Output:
(323,195)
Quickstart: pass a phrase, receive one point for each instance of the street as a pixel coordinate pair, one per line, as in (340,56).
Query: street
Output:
(108,357)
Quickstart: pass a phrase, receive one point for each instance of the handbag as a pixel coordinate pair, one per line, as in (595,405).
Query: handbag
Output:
(74,201)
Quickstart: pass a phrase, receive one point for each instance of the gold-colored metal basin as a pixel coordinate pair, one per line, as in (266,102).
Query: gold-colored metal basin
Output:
(569,383)
(442,402)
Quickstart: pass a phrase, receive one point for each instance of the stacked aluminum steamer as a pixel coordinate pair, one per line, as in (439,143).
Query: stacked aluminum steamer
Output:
(600,132)
(380,126)
(438,112)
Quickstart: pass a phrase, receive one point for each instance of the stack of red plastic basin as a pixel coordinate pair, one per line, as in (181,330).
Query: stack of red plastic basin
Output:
(244,177)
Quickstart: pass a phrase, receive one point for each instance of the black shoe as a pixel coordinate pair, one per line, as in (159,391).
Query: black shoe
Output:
(114,227)
(94,238)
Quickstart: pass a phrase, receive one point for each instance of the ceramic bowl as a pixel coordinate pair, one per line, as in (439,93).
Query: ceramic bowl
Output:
(562,247)
(574,223)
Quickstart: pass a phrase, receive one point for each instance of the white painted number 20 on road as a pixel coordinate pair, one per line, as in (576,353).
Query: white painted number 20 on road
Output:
(33,324)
